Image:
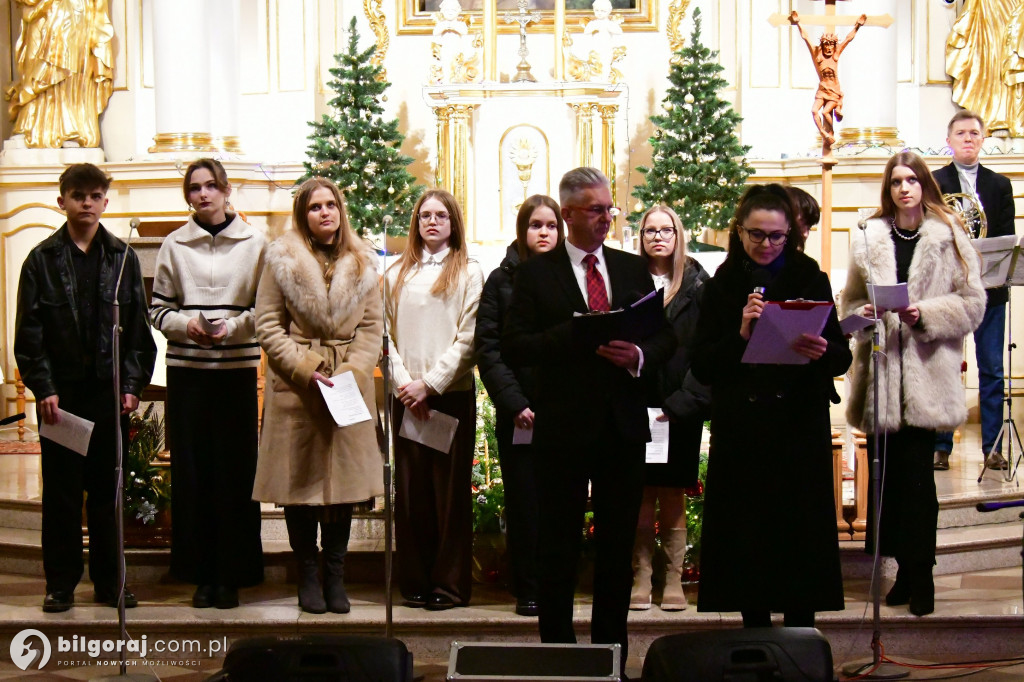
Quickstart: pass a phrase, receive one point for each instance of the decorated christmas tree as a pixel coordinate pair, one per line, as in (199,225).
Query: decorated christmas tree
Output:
(354,147)
(698,162)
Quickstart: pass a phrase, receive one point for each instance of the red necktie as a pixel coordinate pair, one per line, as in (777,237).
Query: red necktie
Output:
(597,294)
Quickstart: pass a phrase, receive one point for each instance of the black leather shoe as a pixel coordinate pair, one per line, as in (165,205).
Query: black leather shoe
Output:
(941,461)
(203,597)
(414,601)
(526,607)
(439,602)
(109,597)
(225,597)
(58,601)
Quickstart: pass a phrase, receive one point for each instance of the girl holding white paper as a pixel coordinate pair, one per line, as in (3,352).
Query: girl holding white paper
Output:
(433,292)
(912,238)
(771,436)
(318,315)
(682,400)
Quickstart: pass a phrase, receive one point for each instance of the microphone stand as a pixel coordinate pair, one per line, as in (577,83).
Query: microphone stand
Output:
(115,337)
(385,370)
(877,669)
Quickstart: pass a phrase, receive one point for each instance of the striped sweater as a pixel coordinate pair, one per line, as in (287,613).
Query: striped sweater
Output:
(217,276)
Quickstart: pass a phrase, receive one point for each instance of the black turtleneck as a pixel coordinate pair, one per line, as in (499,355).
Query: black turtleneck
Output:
(214,230)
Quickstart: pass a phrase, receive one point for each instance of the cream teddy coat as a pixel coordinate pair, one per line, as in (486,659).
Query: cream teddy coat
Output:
(920,365)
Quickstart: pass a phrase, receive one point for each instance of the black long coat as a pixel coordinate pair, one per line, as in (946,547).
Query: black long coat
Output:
(769,534)
(680,396)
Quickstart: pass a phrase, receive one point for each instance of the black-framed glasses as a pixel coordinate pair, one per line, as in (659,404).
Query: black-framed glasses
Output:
(440,216)
(664,233)
(757,236)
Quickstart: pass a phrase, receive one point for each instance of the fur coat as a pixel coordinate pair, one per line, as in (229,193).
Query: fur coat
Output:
(921,383)
(305,458)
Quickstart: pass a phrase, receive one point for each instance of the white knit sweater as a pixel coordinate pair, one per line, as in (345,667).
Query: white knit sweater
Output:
(197,272)
(432,336)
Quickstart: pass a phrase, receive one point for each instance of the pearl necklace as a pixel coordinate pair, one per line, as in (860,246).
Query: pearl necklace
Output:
(896,231)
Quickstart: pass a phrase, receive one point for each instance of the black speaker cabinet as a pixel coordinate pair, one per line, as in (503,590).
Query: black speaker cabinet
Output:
(481,661)
(324,658)
(747,655)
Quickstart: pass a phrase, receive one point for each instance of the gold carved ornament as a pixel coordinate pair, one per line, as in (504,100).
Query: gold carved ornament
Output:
(676,40)
(65,61)
(372,9)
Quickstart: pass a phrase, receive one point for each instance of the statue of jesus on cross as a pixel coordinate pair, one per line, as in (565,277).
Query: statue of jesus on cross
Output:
(828,100)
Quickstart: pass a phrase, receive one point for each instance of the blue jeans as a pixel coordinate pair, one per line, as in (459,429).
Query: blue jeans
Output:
(988,345)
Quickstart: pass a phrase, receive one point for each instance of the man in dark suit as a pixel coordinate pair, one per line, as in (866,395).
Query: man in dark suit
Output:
(965,175)
(591,419)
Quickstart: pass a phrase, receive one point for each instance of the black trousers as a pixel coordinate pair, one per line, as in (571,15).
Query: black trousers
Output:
(433,504)
(522,514)
(212,424)
(910,506)
(66,475)
(615,472)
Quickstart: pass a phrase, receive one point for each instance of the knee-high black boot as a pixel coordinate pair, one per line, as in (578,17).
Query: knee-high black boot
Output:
(334,538)
(922,589)
(301,523)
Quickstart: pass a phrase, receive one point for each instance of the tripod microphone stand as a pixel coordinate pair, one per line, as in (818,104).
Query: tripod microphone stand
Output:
(1009,427)
(877,670)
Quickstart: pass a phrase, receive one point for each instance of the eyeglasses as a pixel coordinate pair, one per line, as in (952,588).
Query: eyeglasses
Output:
(440,216)
(758,236)
(664,233)
(597,211)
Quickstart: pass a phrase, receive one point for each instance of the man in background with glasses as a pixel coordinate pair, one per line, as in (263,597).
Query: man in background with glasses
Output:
(591,426)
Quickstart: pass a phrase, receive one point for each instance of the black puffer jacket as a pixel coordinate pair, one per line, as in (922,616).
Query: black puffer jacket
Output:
(47,344)
(508,388)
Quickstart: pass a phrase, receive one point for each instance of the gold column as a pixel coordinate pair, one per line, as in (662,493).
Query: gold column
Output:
(608,112)
(442,172)
(559,30)
(584,133)
(490,28)
(459,181)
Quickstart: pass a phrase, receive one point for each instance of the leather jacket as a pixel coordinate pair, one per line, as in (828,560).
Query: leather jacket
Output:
(47,344)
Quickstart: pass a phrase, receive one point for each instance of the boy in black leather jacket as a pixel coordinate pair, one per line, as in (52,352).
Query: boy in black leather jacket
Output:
(63,348)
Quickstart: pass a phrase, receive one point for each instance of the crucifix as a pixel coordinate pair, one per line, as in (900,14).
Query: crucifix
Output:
(828,99)
(522,18)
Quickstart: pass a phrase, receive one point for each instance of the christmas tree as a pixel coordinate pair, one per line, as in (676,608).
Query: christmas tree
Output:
(359,151)
(698,166)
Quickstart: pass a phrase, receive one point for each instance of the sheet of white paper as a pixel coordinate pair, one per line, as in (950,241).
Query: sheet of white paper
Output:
(854,323)
(344,400)
(436,432)
(778,328)
(889,296)
(72,432)
(657,449)
(996,255)
(210,327)
(522,436)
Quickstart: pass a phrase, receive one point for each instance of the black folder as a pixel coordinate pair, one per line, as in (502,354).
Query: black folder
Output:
(633,323)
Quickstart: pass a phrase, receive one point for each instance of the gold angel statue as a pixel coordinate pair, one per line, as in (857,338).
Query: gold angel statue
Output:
(65,63)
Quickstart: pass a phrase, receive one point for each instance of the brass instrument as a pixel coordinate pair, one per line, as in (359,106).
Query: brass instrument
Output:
(971,213)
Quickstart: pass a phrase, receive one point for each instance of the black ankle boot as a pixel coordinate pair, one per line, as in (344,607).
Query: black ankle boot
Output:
(899,594)
(922,590)
(334,538)
(302,525)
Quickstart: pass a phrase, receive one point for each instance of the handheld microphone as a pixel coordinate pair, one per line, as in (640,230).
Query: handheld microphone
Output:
(760,279)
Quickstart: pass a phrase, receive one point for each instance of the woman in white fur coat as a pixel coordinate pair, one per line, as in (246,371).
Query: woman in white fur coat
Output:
(913,238)
(318,315)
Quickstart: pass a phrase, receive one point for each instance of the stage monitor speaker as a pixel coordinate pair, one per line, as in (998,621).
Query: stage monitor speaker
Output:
(480,661)
(324,658)
(747,655)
